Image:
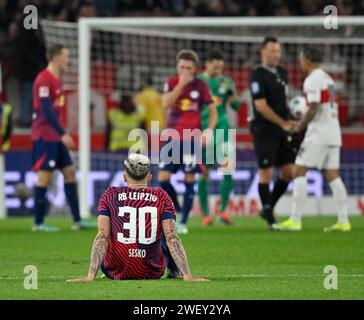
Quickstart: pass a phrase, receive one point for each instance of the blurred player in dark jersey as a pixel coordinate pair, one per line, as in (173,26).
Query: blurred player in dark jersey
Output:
(270,127)
(137,238)
(185,95)
(51,143)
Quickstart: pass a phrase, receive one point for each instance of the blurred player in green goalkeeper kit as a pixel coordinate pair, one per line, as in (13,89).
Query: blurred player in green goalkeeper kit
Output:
(224,93)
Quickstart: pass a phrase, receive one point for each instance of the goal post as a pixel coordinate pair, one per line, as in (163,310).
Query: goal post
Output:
(3,208)
(134,46)
(84,36)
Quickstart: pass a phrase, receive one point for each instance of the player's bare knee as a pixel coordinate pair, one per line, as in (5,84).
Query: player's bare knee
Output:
(189,178)
(331,175)
(287,176)
(299,171)
(286,173)
(69,174)
(43,178)
(163,176)
(204,175)
(265,175)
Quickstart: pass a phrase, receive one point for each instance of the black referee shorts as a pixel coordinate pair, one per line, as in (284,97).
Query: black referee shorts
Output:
(272,147)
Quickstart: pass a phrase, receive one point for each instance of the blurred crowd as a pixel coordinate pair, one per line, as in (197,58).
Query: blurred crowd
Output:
(71,10)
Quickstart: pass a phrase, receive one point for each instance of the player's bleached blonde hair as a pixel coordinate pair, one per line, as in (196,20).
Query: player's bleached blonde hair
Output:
(187,54)
(137,166)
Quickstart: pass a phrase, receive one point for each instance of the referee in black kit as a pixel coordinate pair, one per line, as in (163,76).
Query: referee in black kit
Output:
(270,126)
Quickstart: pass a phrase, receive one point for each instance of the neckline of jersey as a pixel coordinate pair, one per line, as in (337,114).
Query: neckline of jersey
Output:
(272,70)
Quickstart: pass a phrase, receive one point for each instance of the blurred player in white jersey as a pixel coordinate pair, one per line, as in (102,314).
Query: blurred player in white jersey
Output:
(321,146)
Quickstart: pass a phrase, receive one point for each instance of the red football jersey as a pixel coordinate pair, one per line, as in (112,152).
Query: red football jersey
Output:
(46,85)
(135,246)
(186,113)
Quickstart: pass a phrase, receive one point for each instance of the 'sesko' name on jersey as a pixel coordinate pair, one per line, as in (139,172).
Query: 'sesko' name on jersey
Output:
(137,253)
(142,196)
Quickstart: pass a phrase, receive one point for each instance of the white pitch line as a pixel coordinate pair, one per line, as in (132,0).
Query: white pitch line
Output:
(47,278)
(285,275)
(222,276)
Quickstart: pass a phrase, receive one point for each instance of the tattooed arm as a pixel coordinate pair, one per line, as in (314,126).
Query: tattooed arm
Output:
(177,250)
(310,114)
(99,248)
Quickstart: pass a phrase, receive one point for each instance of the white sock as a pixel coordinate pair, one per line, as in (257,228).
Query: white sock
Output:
(299,198)
(341,197)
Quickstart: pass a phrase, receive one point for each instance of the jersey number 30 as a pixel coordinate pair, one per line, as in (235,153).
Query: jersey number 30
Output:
(132,225)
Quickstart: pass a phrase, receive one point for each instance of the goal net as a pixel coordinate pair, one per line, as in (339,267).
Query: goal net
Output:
(111,57)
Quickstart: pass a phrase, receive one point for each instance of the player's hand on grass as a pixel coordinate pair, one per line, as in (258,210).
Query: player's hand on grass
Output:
(83,279)
(190,278)
(68,141)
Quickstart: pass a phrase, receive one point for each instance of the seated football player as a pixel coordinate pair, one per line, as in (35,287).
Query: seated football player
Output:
(136,231)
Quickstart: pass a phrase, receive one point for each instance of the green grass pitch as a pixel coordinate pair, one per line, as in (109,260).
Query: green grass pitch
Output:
(243,261)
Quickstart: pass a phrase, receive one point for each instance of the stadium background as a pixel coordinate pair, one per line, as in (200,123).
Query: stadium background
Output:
(120,61)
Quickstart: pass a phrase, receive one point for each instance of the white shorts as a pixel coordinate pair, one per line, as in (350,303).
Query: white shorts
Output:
(318,156)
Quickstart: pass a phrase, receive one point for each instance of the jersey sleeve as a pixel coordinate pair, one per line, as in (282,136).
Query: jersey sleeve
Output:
(103,207)
(46,105)
(256,86)
(312,90)
(206,94)
(168,212)
(44,93)
(43,89)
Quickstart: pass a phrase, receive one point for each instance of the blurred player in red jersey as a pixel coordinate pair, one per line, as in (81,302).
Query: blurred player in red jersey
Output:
(185,95)
(136,237)
(50,140)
